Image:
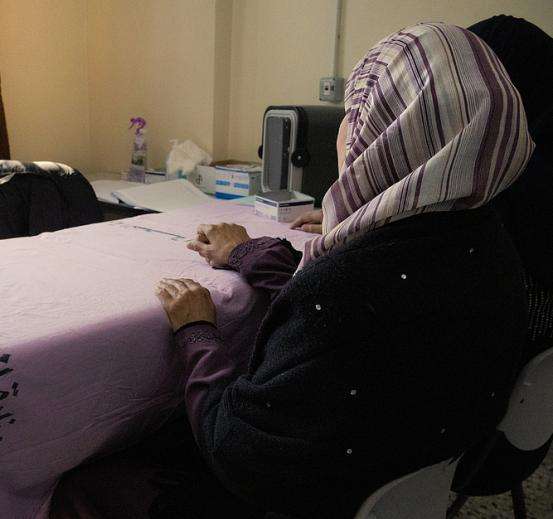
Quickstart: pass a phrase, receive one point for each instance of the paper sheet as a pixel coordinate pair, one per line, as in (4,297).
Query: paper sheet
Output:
(163,196)
(104,189)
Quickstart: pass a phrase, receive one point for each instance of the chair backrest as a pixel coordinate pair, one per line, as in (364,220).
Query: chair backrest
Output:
(528,423)
(421,495)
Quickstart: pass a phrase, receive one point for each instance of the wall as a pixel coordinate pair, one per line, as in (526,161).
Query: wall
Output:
(279,52)
(154,59)
(281,62)
(366,22)
(222,60)
(45,79)
(75,71)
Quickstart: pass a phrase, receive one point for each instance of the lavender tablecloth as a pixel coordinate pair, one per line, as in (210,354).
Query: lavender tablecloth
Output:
(86,352)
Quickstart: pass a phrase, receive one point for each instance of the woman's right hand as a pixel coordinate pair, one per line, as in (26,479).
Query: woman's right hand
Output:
(309,222)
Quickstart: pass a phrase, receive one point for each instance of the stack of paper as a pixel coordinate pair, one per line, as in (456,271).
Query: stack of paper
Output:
(162,196)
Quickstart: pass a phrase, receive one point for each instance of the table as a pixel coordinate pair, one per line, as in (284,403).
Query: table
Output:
(87,361)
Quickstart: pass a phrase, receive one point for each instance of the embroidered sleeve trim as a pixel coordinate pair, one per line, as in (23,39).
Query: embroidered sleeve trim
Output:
(194,337)
(239,252)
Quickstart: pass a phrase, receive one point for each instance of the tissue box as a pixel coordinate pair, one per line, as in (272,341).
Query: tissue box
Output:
(236,182)
(204,178)
(283,206)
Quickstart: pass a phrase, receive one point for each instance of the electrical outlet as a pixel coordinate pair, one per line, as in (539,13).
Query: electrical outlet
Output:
(331,89)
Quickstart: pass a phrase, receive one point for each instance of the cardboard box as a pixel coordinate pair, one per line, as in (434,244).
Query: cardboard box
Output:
(283,206)
(236,183)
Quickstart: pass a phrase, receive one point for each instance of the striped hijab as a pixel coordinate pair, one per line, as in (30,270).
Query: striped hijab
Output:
(433,124)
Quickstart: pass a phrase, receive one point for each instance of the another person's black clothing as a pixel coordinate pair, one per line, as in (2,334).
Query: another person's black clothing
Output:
(526,209)
(527,54)
(36,201)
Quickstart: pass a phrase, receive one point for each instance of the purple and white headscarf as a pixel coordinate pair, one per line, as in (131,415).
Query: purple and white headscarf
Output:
(433,124)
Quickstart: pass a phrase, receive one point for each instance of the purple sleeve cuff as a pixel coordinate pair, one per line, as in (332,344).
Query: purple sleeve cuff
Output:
(206,365)
(191,332)
(239,254)
(265,263)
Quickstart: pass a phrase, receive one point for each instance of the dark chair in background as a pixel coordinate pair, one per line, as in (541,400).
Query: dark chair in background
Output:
(37,197)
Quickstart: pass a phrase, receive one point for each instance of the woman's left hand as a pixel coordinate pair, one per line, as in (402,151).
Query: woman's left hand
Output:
(185,302)
(215,242)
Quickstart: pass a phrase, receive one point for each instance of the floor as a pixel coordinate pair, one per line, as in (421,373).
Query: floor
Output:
(539,498)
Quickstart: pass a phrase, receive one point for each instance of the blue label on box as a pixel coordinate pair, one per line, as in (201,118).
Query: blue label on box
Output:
(227,196)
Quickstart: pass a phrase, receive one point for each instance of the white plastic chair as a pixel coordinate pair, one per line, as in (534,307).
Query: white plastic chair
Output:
(420,495)
(528,424)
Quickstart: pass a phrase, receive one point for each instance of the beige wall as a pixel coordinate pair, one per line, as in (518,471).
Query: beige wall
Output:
(75,71)
(222,76)
(154,59)
(45,79)
(279,52)
(366,22)
(281,62)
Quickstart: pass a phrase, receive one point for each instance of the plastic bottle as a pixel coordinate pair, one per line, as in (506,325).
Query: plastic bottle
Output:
(137,171)
(173,166)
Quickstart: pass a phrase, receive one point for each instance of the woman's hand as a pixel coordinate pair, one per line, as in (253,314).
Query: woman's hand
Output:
(185,301)
(214,243)
(309,222)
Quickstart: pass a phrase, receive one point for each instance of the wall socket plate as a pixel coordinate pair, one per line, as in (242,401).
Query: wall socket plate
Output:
(331,89)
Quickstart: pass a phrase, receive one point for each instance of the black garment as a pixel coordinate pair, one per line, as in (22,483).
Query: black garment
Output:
(37,200)
(526,209)
(527,54)
(392,353)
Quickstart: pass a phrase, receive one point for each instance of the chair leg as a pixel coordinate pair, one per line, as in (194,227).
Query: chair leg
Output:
(519,503)
(456,506)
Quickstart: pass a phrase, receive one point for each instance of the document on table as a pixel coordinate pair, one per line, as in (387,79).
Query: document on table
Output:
(163,196)
(104,189)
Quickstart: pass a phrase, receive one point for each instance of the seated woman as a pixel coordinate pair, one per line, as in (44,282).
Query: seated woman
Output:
(391,343)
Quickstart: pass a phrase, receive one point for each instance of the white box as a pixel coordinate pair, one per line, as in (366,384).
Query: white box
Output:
(204,178)
(283,206)
(236,184)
